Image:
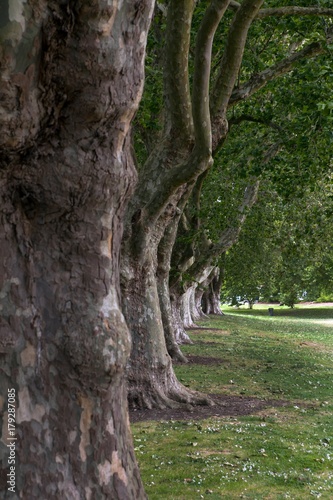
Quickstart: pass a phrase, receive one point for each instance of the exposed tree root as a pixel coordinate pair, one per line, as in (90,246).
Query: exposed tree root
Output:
(178,356)
(164,392)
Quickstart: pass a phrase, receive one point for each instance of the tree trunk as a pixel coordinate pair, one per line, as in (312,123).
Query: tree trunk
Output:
(171,321)
(181,335)
(66,177)
(190,309)
(211,296)
(187,306)
(152,381)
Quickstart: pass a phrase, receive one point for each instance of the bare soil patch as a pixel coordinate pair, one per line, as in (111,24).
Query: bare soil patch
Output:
(203,360)
(231,406)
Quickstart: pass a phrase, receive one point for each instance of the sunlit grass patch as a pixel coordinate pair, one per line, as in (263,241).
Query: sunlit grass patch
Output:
(279,452)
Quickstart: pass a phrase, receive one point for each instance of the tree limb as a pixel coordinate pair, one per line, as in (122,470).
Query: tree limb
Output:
(229,236)
(259,80)
(244,117)
(201,77)
(230,64)
(178,118)
(199,160)
(290,10)
(294,11)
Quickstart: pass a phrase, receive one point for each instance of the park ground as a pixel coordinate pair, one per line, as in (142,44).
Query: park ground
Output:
(269,434)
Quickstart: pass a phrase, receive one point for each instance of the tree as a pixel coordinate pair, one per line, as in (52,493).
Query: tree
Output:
(190,280)
(72,75)
(195,127)
(289,153)
(284,251)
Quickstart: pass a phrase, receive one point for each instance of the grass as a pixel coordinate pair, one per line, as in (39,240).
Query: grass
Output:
(280,452)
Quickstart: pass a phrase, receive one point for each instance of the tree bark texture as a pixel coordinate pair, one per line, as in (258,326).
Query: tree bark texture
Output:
(71,83)
(211,296)
(162,183)
(152,381)
(191,310)
(173,329)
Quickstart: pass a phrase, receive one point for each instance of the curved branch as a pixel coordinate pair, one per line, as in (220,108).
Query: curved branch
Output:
(201,77)
(294,11)
(259,80)
(229,236)
(289,10)
(244,117)
(176,79)
(230,64)
(233,54)
(200,158)
(183,173)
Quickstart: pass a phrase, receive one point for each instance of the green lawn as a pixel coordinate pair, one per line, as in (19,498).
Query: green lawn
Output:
(280,452)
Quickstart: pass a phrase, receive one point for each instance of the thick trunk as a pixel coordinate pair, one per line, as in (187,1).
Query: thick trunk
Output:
(181,335)
(171,322)
(188,312)
(66,178)
(211,295)
(152,381)
(199,293)
(190,301)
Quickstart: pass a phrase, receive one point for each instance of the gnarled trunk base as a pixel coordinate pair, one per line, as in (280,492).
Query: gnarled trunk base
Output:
(163,390)
(152,381)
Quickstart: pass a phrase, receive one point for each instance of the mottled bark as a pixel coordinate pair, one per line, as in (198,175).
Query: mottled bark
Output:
(187,308)
(173,330)
(191,310)
(163,180)
(72,80)
(210,300)
(152,381)
(181,336)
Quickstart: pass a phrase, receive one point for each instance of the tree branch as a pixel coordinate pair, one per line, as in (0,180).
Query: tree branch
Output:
(229,236)
(294,11)
(178,117)
(199,160)
(244,117)
(230,64)
(287,11)
(259,80)
(201,77)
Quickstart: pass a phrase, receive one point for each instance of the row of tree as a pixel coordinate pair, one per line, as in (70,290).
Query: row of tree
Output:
(98,279)
(284,253)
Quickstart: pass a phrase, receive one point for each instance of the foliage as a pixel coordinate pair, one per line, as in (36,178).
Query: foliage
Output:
(285,250)
(282,134)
